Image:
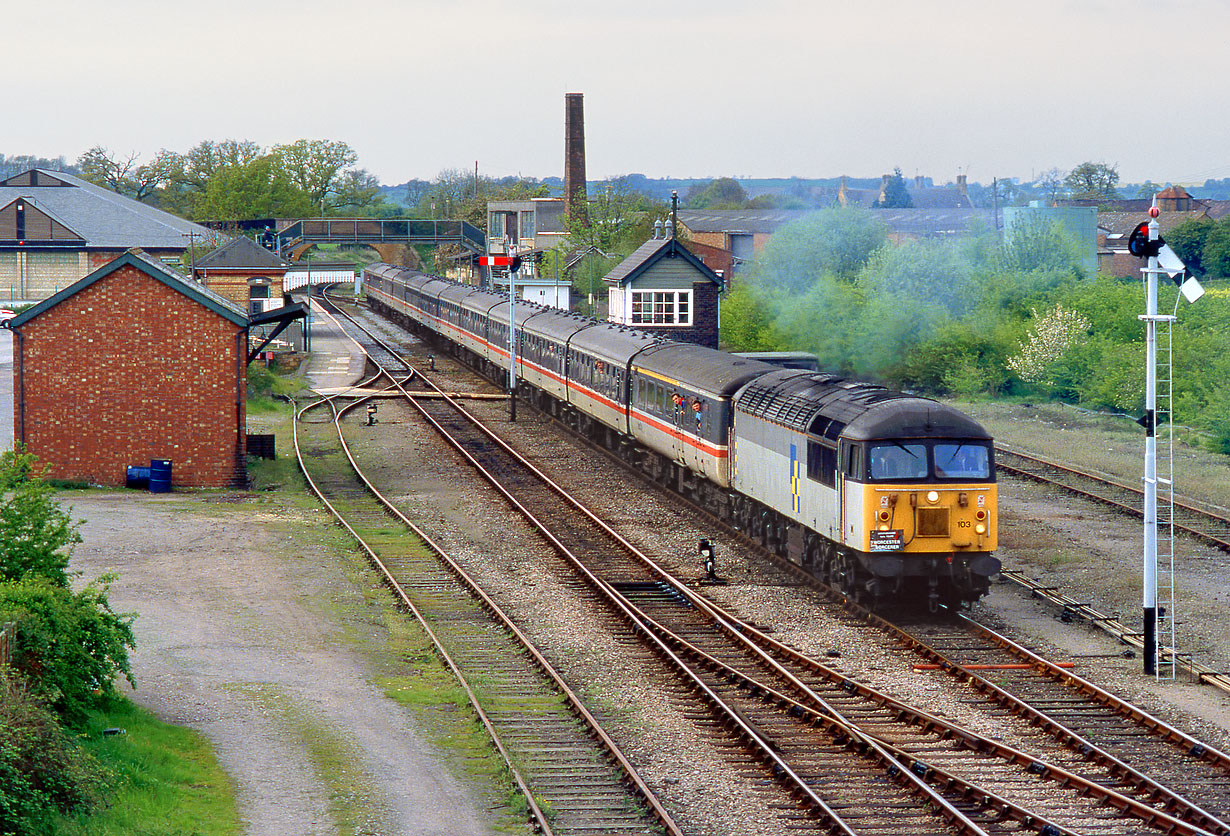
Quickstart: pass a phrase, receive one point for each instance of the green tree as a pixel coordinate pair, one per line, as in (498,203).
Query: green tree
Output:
(1092,181)
(747,320)
(1147,189)
(618,218)
(1215,255)
(1188,240)
(920,274)
(358,191)
(722,193)
(1036,242)
(832,241)
(896,195)
(41,767)
(70,646)
(257,189)
(314,166)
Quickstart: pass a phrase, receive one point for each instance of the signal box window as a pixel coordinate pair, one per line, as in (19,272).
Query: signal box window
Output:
(658,307)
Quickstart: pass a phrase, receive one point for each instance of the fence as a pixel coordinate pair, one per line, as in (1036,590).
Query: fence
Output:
(8,636)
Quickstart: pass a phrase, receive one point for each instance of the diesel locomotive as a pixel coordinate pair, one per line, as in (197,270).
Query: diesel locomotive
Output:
(888,497)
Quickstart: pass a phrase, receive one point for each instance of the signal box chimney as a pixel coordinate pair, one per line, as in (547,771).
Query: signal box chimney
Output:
(575,202)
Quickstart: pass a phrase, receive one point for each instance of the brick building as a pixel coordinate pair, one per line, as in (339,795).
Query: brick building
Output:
(56,228)
(664,289)
(133,362)
(244,272)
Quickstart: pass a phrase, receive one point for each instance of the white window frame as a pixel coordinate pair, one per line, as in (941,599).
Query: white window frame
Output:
(667,308)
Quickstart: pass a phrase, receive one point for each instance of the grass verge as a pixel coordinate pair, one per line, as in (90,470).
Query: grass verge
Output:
(166,781)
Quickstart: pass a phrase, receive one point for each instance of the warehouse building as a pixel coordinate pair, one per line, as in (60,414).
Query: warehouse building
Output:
(56,228)
(130,364)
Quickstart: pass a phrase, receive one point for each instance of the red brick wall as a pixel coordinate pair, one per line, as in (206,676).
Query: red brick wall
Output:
(129,370)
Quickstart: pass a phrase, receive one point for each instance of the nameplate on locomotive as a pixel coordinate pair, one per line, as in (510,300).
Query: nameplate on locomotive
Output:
(887,541)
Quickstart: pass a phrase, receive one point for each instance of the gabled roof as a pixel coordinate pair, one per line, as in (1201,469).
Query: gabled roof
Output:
(649,254)
(101,217)
(198,293)
(238,253)
(22,220)
(933,223)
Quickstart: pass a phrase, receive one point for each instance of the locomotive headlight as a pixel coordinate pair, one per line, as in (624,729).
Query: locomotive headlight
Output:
(980,529)
(882,527)
(933,496)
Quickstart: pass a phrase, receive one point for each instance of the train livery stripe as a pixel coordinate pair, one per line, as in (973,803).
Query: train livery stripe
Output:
(704,447)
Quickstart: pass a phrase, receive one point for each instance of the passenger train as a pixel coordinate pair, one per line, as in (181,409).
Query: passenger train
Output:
(889,497)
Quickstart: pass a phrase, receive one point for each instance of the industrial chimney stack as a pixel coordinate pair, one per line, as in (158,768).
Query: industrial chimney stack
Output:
(574,155)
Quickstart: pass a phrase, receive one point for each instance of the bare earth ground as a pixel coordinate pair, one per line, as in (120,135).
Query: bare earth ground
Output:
(253,630)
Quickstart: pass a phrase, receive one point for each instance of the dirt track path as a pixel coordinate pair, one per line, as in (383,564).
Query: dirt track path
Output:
(251,632)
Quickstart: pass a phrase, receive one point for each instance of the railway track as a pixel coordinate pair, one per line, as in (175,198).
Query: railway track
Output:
(1204,522)
(813,727)
(1207,523)
(574,779)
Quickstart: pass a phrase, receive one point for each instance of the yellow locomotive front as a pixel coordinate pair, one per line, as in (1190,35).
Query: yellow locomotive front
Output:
(925,508)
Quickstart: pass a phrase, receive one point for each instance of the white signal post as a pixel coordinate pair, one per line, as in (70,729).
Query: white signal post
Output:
(1151,319)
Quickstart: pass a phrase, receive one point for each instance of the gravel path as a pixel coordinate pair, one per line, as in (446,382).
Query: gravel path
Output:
(252,629)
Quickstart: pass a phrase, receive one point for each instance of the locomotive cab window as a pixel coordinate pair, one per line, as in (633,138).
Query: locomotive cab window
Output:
(962,461)
(889,462)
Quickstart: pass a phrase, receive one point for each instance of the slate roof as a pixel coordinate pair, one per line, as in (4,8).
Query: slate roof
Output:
(737,220)
(933,223)
(215,302)
(939,197)
(105,220)
(1122,223)
(648,254)
(238,253)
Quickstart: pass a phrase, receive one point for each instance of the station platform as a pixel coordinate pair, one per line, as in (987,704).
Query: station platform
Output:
(337,361)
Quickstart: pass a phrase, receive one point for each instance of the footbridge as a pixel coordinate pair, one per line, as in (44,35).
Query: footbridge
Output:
(297,238)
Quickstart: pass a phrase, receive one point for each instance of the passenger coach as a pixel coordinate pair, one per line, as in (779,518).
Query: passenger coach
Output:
(886,496)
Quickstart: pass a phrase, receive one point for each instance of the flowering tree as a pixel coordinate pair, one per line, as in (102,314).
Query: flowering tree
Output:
(1050,337)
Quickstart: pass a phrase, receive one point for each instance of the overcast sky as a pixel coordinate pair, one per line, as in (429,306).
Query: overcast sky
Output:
(680,88)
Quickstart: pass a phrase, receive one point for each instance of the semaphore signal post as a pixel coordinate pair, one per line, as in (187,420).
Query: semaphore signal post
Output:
(1145,241)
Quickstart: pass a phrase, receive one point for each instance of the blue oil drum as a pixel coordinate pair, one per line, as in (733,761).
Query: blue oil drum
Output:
(160,476)
(138,477)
